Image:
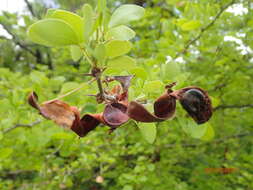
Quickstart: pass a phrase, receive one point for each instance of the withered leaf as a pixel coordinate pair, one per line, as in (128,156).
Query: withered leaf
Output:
(56,110)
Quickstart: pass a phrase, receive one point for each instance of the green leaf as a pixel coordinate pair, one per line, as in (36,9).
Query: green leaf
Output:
(89,21)
(117,48)
(124,62)
(76,52)
(209,134)
(215,101)
(191,25)
(62,136)
(5,152)
(193,129)
(153,86)
(52,32)
(121,32)
(101,5)
(128,187)
(50,13)
(73,20)
(170,71)
(126,13)
(68,86)
(148,131)
(139,72)
(1,135)
(100,53)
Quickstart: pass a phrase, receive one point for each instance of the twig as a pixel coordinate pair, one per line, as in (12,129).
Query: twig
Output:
(21,125)
(233,106)
(29,6)
(217,141)
(86,55)
(102,95)
(23,46)
(69,93)
(204,29)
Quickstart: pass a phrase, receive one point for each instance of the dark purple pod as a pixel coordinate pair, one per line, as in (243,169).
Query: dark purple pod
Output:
(196,102)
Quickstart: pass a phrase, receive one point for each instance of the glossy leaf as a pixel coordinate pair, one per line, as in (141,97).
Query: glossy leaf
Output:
(209,134)
(89,21)
(100,53)
(191,25)
(62,34)
(50,13)
(121,32)
(193,129)
(126,13)
(124,62)
(76,52)
(72,19)
(148,131)
(101,5)
(153,86)
(116,48)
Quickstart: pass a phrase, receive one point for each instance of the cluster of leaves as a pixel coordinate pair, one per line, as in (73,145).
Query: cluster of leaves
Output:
(36,154)
(108,36)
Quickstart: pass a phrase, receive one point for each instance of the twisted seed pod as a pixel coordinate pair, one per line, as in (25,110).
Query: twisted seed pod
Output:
(164,108)
(196,102)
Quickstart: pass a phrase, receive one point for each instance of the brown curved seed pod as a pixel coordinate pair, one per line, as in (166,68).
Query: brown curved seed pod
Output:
(58,111)
(88,123)
(66,116)
(69,116)
(164,108)
(196,102)
(33,100)
(115,114)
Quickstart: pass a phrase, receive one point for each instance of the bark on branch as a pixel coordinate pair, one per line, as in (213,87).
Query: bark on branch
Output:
(204,29)
(22,125)
(215,141)
(233,106)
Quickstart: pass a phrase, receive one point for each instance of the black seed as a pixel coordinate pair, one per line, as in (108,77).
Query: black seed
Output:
(193,101)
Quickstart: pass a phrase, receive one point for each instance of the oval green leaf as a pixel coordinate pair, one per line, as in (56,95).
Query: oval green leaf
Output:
(52,32)
(155,86)
(191,25)
(193,129)
(124,61)
(100,53)
(121,32)
(89,21)
(209,134)
(73,20)
(148,131)
(76,52)
(126,13)
(116,48)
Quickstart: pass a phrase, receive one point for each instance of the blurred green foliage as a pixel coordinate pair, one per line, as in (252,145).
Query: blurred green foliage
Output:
(177,40)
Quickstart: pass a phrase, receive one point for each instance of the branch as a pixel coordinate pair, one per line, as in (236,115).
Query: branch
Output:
(30,8)
(233,106)
(22,125)
(17,41)
(204,29)
(217,141)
